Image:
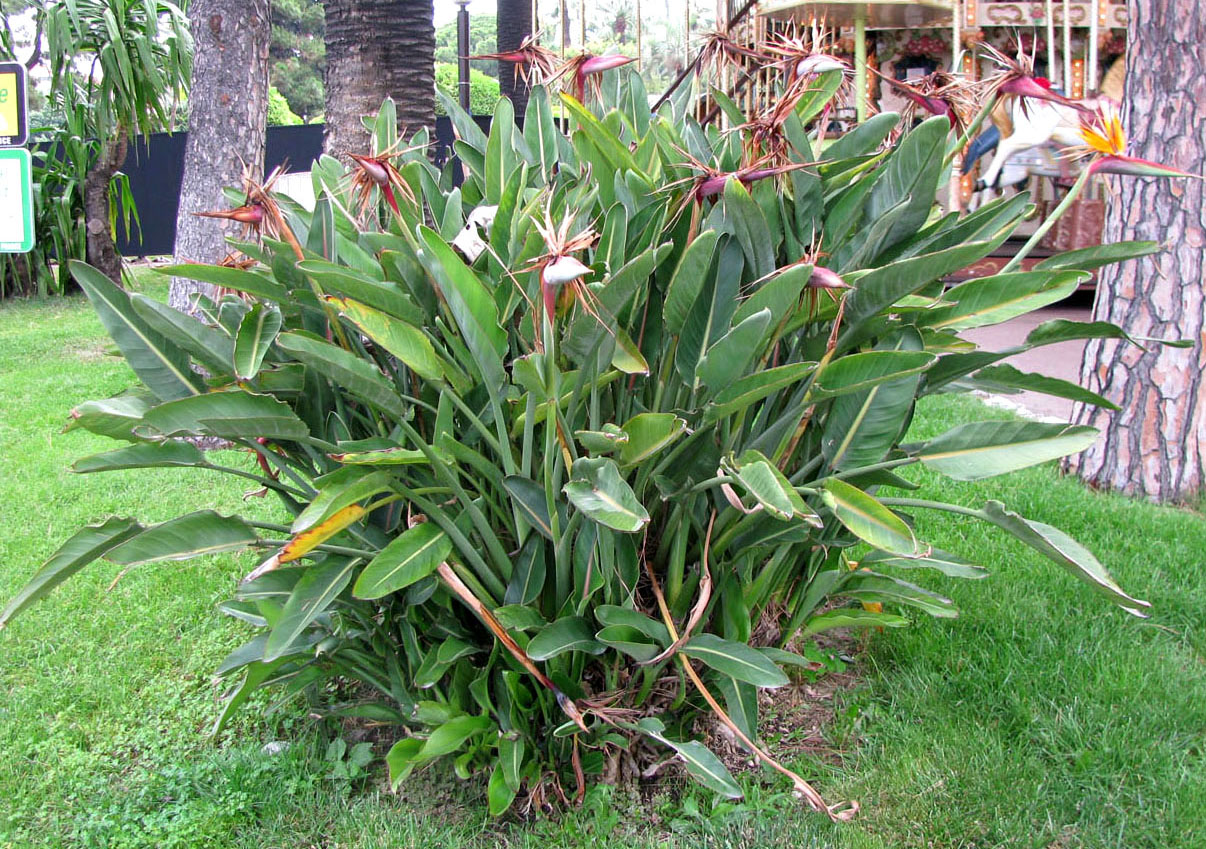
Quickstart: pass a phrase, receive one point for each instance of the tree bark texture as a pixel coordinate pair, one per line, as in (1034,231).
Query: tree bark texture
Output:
(228,108)
(514,25)
(1154,445)
(378,49)
(101,251)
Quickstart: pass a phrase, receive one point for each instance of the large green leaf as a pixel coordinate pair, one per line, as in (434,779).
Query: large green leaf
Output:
(869,587)
(983,301)
(597,489)
(948,564)
(862,427)
(312,595)
(386,296)
(876,291)
(532,502)
(527,579)
(231,414)
(159,364)
(499,793)
(749,227)
(856,372)
(192,535)
(979,450)
(405,341)
(737,660)
(628,640)
(452,735)
(604,140)
(611,615)
(780,294)
(909,176)
(702,764)
(688,279)
(848,617)
(758,476)
(540,131)
(1096,256)
(209,346)
(570,633)
(500,155)
(257,332)
(753,388)
(649,433)
(471,304)
(732,354)
(359,376)
(1005,377)
(115,418)
(408,558)
(1062,549)
(82,548)
(868,519)
(1008,379)
(225,277)
(146,455)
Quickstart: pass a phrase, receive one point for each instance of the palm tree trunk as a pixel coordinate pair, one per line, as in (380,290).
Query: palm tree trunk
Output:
(378,49)
(228,105)
(514,25)
(102,253)
(1156,443)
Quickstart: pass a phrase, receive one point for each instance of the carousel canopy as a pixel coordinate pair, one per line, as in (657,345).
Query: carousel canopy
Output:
(879,14)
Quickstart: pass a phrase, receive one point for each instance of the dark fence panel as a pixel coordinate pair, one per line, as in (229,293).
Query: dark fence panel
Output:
(155,166)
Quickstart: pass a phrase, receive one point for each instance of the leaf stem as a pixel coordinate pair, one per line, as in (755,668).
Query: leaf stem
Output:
(1055,215)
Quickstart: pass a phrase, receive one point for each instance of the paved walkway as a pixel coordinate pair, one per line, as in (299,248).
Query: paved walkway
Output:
(1061,360)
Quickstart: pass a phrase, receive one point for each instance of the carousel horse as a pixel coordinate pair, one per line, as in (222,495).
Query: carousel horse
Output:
(1036,124)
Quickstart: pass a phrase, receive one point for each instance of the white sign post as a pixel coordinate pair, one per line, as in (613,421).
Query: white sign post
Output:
(16,171)
(16,201)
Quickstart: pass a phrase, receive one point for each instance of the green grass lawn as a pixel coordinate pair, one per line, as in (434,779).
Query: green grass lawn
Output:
(1041,717)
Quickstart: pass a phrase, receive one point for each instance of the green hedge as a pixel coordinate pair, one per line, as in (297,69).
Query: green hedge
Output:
(483,90)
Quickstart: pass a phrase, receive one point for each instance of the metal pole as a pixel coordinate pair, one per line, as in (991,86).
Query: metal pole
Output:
(1068,48)
(1051,69)
(860,61)
(687,34)
(956,20)
(638,34)
(1094,29)
(462,52)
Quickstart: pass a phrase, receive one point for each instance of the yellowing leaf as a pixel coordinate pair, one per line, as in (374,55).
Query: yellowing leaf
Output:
(305,542)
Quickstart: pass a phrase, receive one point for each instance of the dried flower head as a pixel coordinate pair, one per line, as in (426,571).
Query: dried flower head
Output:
(533,63)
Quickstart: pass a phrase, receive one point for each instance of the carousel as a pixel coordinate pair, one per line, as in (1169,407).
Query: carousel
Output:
(1079,46)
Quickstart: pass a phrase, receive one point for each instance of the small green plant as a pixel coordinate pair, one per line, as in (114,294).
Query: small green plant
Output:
(348,764)
(556,496)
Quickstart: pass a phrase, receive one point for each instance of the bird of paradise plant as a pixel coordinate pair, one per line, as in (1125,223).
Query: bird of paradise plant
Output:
(1104,145)
(527,562)
(937,93)
(532,63)
(378,172)
(584,69)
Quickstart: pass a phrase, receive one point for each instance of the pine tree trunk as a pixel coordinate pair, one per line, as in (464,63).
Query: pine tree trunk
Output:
(101,251)
(375,49)
(514,25)
(1154,445)
(228,107)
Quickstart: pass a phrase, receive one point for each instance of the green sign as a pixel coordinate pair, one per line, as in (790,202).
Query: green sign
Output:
(16,201)
(14,104)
